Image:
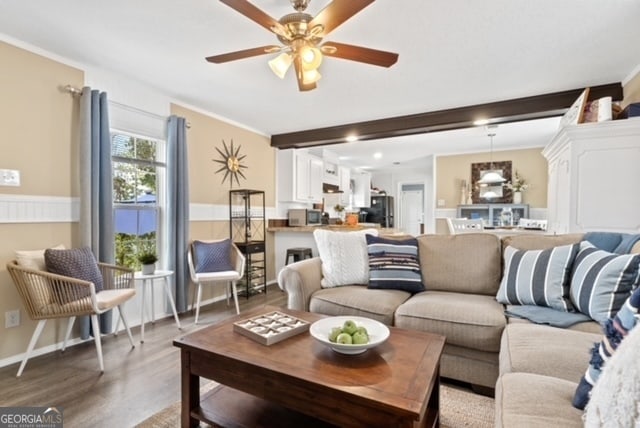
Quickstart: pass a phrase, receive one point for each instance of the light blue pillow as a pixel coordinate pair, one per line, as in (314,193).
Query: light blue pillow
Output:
(212,256)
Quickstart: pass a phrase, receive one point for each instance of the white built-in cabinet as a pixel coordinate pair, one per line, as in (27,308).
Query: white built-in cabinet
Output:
(361,188)
(299,176)
(344,185)
(594,175)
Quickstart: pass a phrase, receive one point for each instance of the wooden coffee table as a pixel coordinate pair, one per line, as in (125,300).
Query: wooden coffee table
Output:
(300,382)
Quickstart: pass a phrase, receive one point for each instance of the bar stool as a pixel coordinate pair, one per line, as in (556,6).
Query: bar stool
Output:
(298,253)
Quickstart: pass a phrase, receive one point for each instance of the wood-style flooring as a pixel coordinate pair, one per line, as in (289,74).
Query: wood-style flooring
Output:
(136,384)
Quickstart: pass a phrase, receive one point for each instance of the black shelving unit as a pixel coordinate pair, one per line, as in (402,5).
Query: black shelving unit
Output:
(247,230)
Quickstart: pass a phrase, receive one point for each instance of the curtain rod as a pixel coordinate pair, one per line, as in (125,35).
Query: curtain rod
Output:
(76,91)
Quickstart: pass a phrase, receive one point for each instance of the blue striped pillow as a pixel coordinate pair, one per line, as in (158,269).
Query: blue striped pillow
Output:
(394,264)
(601,281)
(537,277)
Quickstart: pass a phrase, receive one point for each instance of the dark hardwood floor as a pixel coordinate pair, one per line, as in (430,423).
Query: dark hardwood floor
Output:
(136,383)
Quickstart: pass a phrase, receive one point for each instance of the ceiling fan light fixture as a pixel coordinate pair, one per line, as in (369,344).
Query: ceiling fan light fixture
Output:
(311,57)
(280,64)
(310,76)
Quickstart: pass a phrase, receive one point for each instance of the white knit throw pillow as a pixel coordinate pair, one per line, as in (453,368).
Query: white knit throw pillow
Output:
(615,398)
(344,256)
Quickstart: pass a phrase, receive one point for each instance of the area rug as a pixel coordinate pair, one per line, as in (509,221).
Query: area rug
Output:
(459,408)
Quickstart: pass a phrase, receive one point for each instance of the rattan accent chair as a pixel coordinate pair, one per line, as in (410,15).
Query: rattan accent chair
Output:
(47,296)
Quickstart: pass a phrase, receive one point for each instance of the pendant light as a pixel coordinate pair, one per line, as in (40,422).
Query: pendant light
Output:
(491,177)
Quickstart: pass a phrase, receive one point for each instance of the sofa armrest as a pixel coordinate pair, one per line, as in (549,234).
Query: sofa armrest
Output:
(300,280)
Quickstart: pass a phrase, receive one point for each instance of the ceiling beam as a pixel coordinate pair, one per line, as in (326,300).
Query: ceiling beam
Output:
(528,108)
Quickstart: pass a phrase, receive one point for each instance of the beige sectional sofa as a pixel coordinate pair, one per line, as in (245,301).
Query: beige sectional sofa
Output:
(534,368)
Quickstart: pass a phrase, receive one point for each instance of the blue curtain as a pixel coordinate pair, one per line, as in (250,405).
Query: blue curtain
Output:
(178,207)
(96,200)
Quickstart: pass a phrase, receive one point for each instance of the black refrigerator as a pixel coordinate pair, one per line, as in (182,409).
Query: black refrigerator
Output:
(381,211)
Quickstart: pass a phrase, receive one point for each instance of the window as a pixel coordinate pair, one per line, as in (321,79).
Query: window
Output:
(137,177)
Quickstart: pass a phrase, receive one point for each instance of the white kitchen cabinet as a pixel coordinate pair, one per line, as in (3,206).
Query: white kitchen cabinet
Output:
(345,185)
(361,188)
(593,178)
(299,176)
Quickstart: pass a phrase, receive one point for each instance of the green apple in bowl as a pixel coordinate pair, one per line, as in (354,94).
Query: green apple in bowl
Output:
(344,339)
(334,333)
(360,338)
(349,327)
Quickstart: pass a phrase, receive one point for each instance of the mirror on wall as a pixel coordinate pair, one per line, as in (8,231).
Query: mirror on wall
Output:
(498,193)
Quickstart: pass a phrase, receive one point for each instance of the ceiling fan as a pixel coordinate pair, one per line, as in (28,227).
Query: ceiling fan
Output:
(301,35)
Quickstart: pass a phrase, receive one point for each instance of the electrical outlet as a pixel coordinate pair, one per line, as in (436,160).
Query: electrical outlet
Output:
(12,318)
(9,177)
(441,202)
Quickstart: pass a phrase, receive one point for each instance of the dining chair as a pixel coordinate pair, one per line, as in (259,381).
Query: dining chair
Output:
(47,295)
(463,225)
(215,262)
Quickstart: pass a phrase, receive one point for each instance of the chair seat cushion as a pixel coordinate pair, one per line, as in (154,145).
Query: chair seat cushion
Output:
(225,275)
(469,320)
(108,299)
(535,401)
(358,301)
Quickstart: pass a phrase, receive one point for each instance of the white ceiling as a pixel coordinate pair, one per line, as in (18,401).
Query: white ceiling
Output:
(451,53)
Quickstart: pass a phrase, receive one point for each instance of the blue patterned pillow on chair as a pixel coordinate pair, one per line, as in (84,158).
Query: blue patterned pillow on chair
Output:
(212,256)
(78,263)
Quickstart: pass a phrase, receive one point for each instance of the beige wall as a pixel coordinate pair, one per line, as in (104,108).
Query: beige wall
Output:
(38,123)
(530,164)
(631,91)
(205,187)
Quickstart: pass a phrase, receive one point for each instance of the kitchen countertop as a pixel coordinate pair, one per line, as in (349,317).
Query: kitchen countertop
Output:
(342,228)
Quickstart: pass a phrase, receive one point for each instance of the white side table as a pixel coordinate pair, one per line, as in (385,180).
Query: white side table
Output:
(158,274)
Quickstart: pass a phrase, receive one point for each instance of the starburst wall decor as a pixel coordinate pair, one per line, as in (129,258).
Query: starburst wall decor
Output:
(231,163)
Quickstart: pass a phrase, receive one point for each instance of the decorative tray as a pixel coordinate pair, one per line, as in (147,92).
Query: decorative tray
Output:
(271,327)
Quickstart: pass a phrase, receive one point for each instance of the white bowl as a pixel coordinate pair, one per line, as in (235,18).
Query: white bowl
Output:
(378,333)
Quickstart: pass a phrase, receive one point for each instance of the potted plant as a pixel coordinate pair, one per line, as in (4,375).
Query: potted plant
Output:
(148,260)
(518,186)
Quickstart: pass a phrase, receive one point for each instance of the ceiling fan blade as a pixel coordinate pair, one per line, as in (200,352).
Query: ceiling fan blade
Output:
(360,54)
(255,14)
(338,12)
(232,56)
(297,63)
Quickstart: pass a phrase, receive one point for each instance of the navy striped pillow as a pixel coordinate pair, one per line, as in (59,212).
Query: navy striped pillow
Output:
(537,277)
(394,264)
(601,281)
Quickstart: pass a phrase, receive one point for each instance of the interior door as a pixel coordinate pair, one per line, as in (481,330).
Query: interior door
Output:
(412,211)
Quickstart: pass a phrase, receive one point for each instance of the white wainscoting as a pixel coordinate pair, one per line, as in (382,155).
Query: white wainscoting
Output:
(65,209)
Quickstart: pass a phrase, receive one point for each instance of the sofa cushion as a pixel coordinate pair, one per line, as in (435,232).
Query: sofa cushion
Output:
(344,256)
(538,277)
(616,329)
(540,242)
(356,300)
(469,320)
(466,263)
(535,401)
(544,350)
(394,264)
(601,281)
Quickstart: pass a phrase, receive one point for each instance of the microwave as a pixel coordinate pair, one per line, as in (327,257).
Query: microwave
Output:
(304,217)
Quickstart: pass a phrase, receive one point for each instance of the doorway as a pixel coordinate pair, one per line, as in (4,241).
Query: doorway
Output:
(411,208)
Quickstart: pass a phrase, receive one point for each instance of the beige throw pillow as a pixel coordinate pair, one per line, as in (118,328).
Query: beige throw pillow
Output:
(33,259)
